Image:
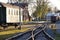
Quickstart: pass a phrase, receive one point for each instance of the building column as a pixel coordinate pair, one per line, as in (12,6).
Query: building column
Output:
(21,16)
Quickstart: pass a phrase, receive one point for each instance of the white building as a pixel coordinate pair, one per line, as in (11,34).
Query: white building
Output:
(31,4)
(11,13)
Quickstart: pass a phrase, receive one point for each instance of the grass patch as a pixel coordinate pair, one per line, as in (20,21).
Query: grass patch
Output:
(57,37)
(8,33)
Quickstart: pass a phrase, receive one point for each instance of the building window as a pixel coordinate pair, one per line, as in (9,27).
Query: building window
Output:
(9,11)
(16,12)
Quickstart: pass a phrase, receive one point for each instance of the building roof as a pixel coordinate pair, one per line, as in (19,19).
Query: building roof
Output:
(9,5)
(22,5)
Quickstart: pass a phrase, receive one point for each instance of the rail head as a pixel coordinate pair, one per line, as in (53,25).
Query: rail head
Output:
(30,38)
(13,37)
(18,35)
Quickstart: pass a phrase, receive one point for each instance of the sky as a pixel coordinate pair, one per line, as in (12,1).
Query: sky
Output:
(55,3)
(5,1)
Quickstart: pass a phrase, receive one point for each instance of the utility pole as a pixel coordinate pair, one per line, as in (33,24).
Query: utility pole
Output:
(20,19)
(20,14)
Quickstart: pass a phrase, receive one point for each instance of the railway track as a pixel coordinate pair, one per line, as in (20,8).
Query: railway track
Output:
(26,35)
(41,35)
(38,34)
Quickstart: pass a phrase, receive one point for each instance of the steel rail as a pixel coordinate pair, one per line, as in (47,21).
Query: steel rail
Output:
(25,35)
(46,34)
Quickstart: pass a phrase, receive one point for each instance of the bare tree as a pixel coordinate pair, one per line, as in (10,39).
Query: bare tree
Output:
(42,9)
